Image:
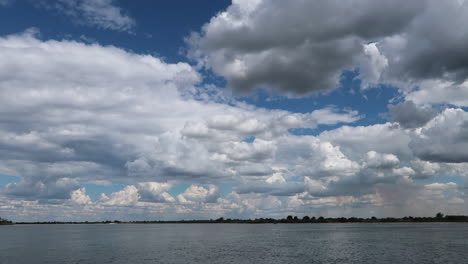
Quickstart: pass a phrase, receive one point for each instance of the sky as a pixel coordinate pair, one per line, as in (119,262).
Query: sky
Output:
(169,110)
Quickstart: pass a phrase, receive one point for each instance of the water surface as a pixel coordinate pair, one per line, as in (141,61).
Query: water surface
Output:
(234,243)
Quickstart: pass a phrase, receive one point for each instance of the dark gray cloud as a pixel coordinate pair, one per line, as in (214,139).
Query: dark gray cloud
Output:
(433,45)
(295,46)
(455,153)
(301,47)
(296,72)
(410,115)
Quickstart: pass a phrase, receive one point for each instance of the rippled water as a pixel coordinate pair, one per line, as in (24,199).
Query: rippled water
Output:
(235,243)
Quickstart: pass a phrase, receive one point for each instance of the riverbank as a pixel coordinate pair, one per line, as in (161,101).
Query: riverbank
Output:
(289,219)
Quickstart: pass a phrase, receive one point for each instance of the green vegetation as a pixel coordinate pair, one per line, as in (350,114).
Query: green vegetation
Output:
(289,219)
(5,222)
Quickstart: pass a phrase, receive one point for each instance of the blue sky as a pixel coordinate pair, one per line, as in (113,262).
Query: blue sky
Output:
(244,109)
(160,28)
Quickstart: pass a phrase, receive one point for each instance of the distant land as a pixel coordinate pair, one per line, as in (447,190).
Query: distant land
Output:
(289,219)
(5,222)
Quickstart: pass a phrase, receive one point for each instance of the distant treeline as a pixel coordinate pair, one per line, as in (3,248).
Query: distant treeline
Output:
(5,222)
(289,219)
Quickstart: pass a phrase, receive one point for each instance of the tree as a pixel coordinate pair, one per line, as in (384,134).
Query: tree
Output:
(439,215)
(5,222)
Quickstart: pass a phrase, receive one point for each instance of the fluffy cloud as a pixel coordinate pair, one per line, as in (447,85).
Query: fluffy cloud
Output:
(358,141)
(80,197)
(155,192)
(378,160)
(372,65)
(432,45)
(199,194)
(73,113)
(48,190)
(440,92)
(444,139)
(128,196)
(427,58)
(95,113)
(299,46)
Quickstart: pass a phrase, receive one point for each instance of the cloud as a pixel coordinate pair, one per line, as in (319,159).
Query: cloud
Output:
(44,190)
(425,169)
(80,197)
(427,58)
(379,160)
(75,113)
(304,47)
(155,192)
(410,115)
(199,194)
(440,92)
(432,45)
(54,110)
(128,196)
(98,113)
(274,188)
(100,182)
(357,141)
(443,194)
(444,139)
(102,14)
(372,65)
(298,153)
(131,195)
(298,47)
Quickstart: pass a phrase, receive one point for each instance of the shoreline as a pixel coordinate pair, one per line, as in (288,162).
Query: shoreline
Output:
(439,218)
(233,222)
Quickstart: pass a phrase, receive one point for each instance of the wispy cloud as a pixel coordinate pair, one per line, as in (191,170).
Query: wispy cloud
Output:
(102,14)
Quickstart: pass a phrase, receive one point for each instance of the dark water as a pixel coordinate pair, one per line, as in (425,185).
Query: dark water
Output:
(235,243)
